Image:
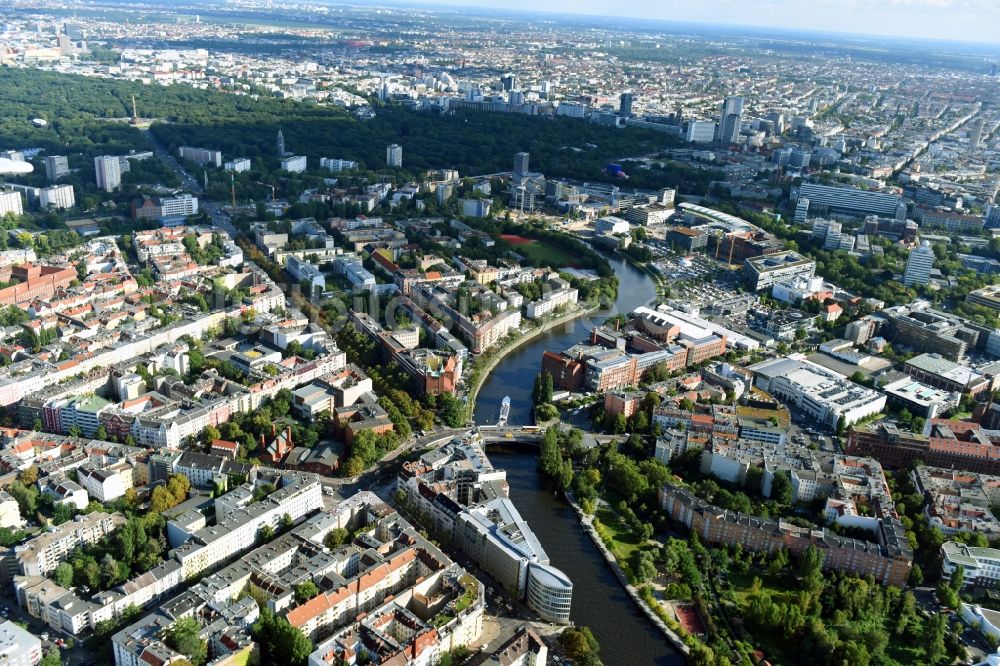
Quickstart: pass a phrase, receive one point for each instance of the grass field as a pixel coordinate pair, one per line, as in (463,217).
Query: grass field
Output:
(624,541)
(541,251)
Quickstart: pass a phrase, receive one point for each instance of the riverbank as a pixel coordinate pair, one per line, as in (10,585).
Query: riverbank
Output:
(654,276)
(587,523)
(500,354)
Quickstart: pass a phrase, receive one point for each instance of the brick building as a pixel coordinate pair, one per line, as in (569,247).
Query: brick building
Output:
(889,561)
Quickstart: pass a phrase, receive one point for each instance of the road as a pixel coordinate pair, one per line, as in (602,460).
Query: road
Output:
(219,218)
(186,179)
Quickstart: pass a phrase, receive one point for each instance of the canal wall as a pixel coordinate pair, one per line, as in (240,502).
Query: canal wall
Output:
(587,522)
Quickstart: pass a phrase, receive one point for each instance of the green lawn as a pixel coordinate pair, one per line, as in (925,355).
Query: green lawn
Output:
(544,253)
(623,540)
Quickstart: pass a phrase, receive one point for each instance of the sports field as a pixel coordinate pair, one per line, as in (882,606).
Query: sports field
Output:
(540,251)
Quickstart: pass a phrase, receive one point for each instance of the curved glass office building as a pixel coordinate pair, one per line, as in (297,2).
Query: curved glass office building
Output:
(549,593)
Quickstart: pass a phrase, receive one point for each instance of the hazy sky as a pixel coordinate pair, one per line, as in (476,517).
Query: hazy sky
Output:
(965,20)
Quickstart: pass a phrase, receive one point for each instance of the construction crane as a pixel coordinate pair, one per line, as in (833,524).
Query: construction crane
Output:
(266,185)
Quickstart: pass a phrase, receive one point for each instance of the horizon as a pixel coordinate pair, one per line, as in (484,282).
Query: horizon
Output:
(971,22)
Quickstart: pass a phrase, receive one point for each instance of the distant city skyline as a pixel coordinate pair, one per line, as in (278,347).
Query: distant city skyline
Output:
(959,20)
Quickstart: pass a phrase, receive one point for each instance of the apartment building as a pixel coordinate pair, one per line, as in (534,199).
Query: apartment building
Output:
(957,501)
(42,554)
(18,646)
(889,560)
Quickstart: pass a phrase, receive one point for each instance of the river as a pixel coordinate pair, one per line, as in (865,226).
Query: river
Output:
(626,636)
(515,375)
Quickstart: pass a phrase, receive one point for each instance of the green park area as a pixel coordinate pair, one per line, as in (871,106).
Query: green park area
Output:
(541,252)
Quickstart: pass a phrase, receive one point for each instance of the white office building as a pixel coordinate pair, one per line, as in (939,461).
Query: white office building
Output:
(239,165)
(358,276)
(201,155)
(700,131)
(180,206)
(303,271)
(294,164)
(57,196)
(854,201)
(919,265)
(10,202)
(108,172)
(823,394)
(335,165)
(611,225)
(760,273)
(982,565)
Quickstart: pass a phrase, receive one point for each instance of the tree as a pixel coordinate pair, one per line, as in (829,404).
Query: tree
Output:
(28,476)
(109,571)
(161,500)
(63,575)
(935,630)
(265,533)
(63,513)
(210,434)
(280,642)
(957,578)
(779,562)
(781,487)
(546,387)
(336,537)
(52,658)
(642,565)
(810,570)
(580,645)
(305,591)
(184,636)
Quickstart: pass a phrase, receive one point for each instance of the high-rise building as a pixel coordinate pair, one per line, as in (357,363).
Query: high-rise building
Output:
(521,164)
(10,202)
(976,133)
(57,196)
(108,172)
(394,155)
(993,216)
(777,121)
(56,166)
(281,144)
(919,265)
(508,82)
(730,120)
(625,104)
(700,131)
